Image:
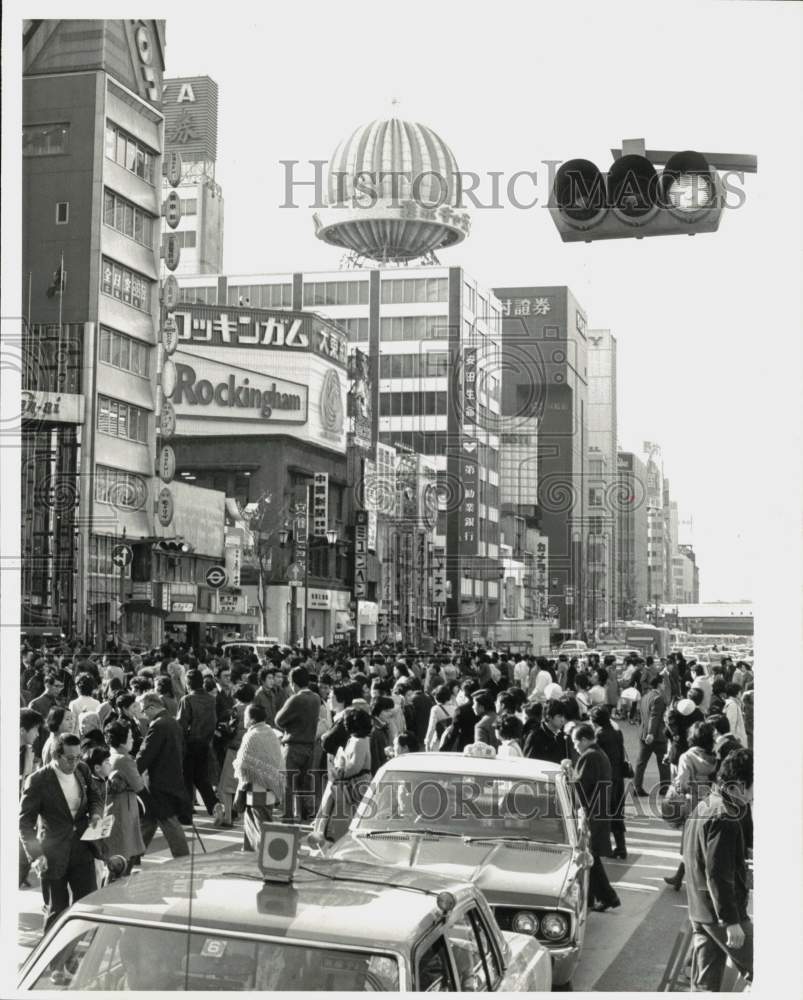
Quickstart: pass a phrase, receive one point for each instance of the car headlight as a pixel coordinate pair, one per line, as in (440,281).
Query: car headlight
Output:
(525,922)
(554,926)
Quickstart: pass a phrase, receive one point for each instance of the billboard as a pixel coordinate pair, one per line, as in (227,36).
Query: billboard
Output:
(209,390)
(198,518)
(189,105)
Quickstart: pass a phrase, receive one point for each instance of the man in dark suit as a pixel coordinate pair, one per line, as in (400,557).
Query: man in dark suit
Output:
(547,741)
(160,757)
(298,720)
(593,783)
(716,839)
(62,800)
(653,736)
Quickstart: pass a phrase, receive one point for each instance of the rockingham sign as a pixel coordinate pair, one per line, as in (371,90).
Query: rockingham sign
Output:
(210,390)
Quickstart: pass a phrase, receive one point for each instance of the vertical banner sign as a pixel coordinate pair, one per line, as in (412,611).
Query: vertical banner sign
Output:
(300,535)
(422,573)
(470,385)
(320,504)
(469,504)
(233,557)
(361,555)
(439,575)
(387,577)
(541,575)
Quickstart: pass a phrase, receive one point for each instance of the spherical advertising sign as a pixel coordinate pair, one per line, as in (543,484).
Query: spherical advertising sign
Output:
(167,464)
(170,292)
(168,378)
(167,420)
(169,335)
(165,507)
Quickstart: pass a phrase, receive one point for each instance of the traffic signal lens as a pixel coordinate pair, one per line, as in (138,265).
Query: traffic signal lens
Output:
(689,186)
(580,191)
(689,192)
(633,188)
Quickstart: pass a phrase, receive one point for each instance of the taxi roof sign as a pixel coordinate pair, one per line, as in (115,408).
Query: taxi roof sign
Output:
(277,852)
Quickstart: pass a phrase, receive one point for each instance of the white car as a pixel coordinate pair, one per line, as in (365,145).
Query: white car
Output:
(573,646)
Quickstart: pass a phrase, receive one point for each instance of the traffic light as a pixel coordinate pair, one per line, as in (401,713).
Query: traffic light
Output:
(172,547)
(634,200)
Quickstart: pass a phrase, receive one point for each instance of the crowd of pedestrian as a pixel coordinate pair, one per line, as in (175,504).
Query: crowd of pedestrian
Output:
(149,738)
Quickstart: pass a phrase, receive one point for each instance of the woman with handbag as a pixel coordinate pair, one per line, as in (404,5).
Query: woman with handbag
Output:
(611,741)
(696,768)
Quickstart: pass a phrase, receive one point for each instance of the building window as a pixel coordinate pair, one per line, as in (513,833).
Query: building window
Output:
(122,420)
(124,352)
(122,283)
(127,218)
(184,239)
(189,206)
(336,293)
(62,213)
(581,324)
(119,488)
(394,290)
(356,329)
(203,296)
(45,140)
(132,155)
(100,556)
(415,328)
(261,296)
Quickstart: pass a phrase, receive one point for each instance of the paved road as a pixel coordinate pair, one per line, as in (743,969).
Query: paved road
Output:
(625,949)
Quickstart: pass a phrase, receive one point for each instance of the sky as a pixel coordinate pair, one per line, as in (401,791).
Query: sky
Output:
(699,322)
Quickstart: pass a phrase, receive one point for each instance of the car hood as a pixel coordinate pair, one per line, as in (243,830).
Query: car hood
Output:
(503,871)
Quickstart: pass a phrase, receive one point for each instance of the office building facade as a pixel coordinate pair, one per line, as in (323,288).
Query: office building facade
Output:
(92,176)
(545,395)
(632,585)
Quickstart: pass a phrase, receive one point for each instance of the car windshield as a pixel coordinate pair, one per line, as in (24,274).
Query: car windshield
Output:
(471,805)
(88,955)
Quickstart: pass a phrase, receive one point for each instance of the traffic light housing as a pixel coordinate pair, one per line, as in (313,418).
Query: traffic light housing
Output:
(634,200)
(172,547)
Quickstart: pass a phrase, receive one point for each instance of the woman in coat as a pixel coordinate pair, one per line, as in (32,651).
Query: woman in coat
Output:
(351,776)
(124,784)
(461,731)
(612,743)
(227,785)
(59,720)
(696,770)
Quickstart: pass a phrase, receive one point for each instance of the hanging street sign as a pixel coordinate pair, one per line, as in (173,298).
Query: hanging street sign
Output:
(172,167)
(172,209)
(167,464)
(167,420)
(169,335)
(165,507)
(295,574)
(172,252)
(170,292)
(168,378)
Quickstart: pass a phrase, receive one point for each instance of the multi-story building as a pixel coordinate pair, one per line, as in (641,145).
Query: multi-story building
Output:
(190,106)
(545,396)
(687,581)
(603,497)
(656,525)
(670,540)
(632,585)
(92,159)
(432,337)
